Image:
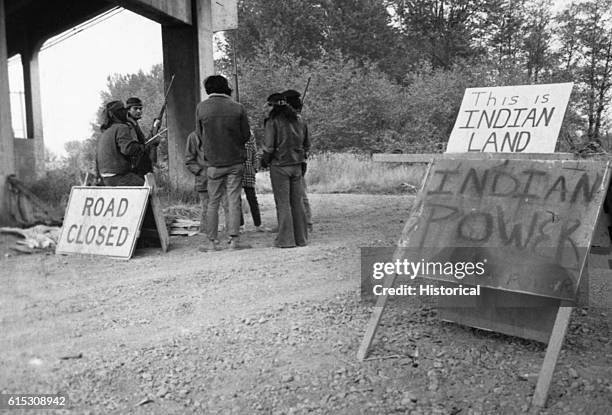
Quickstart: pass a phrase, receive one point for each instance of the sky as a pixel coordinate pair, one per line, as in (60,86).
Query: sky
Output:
(74,72)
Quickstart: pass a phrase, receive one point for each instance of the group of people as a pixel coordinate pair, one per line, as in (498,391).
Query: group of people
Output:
(123,155)
(222,154)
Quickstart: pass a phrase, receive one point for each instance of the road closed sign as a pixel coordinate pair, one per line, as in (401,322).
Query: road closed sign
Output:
(510,119)
(103,220)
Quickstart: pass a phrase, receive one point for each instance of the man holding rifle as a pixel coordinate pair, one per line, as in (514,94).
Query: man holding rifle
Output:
(144,163)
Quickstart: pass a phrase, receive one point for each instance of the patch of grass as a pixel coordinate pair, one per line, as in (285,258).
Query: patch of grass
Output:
(353,173)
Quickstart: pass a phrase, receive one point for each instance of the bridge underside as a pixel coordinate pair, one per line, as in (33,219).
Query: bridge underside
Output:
(26,24)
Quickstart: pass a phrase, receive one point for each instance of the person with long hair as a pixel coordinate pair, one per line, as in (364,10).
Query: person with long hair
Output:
(117,147)
(285,148)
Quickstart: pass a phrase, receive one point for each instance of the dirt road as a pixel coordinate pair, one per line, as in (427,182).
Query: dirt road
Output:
(269,331)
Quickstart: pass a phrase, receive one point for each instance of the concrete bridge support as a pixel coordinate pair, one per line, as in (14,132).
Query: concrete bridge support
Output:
(7,161)
(188,54)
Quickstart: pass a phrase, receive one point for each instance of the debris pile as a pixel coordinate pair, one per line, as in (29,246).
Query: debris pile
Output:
(36,237)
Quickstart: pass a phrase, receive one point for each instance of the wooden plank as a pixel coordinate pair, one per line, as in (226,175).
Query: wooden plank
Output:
(552,355)
(381,301)
(160,221)
(429,157)
(374,321)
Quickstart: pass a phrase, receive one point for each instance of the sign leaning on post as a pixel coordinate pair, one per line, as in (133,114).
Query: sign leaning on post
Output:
(103,220)
(510,119)
(108,220)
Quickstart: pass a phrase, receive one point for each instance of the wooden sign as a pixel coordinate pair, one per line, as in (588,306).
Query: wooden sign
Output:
(103,220)
(510,119)
(530,221)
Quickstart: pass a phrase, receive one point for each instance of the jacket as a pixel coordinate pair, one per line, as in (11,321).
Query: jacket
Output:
(115,149)
(223,127)
(287,141)
(195,162)
(142,164)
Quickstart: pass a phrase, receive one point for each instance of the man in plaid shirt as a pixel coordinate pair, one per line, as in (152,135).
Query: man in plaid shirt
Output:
(248,181)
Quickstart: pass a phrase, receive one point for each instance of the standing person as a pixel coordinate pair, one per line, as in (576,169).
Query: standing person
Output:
(248,182)
(116,148)
(196,164)
(286,143)
(143,164)
(223,127)
(292,97)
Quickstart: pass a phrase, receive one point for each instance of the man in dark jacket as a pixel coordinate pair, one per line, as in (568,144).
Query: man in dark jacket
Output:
(116,148)
(143,164)
(223,127)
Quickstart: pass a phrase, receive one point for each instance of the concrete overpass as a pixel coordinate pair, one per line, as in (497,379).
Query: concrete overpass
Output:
(187,29)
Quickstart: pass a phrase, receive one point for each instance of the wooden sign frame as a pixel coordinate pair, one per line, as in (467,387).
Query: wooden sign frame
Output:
(563,310)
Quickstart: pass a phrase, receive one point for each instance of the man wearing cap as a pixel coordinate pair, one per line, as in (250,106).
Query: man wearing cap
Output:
(143,164)
(223,127)
(116,148)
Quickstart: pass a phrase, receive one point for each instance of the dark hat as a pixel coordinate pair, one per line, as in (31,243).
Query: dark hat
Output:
(291,93)
(275,98)
(133,102)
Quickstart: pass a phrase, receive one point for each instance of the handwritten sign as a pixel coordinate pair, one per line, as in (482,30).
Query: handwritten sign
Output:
(531,222)
(103,220)
(510,119)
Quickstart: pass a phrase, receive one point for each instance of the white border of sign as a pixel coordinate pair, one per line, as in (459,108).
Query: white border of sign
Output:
(509,119)
(140,195)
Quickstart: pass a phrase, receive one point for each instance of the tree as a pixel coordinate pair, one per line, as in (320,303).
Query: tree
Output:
(443,30)
(585,30)
(360,30)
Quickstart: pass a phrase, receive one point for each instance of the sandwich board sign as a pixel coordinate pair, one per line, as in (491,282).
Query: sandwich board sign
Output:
(103,220)
(531,221)
(510,119)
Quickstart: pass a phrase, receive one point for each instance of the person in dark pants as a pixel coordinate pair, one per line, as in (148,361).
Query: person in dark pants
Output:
(248,183)
(223,127)
(143,164)
(196,164)
(286,143)
(116,148)
(293,98)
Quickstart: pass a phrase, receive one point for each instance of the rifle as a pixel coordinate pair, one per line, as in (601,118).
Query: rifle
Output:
(156,135)
(305,90)
(155,129)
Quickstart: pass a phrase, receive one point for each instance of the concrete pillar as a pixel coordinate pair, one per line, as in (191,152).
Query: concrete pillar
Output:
(33,105)
(190,69)
(203,23)
(178,44)
(7,157)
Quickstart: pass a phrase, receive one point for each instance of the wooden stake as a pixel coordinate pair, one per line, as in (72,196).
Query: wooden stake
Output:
(160,222)
(552,354)
(379,308)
